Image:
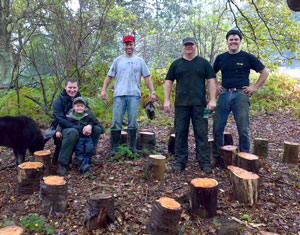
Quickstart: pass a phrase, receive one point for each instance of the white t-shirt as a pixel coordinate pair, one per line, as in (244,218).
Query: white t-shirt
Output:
(128,71)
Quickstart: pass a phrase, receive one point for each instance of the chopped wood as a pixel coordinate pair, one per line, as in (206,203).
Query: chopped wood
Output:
(228,156)
(204,193)
(248,161)
(124,138)
(169,203)
(44,156)
(245,185)
(146,140)
(290,152)
(228,138)
(11,230)
(156,167)
(171,144)
(261,147)
(211,147)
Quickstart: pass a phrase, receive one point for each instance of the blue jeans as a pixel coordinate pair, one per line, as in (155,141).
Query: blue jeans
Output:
(121,103)
(238,103)
(183,115)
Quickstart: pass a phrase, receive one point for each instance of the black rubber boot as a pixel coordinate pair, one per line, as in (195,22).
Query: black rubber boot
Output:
(132,140)
(115,138)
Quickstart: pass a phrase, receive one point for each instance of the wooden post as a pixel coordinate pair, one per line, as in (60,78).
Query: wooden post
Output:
(228,139)
(260,147)
(11,230)
(100,211)
(248,161)
(44,156)
(29,175)
(165,217)
(290,152)
(155,167)
(245,185)
(146,140)
(228,155)
(211,147)
(171,144)
(123,137)
(204,194)
(54,192)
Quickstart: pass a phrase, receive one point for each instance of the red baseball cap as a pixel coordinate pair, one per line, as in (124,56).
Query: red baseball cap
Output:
(128,38)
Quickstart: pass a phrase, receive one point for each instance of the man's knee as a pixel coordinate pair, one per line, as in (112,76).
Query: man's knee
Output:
(70,135)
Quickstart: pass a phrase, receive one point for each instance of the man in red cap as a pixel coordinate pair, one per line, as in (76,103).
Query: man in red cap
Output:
(128,70)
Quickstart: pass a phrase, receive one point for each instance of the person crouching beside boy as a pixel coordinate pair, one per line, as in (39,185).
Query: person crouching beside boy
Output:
(81,115)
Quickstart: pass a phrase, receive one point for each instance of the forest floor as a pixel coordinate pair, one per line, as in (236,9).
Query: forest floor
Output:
(278,209)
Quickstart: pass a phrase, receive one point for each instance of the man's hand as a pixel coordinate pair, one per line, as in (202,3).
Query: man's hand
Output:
(58,135)
(211,105)
(87,130)
(167,106)
(103,95)
(220,89)
(249,89)
(152,97)
(102,136)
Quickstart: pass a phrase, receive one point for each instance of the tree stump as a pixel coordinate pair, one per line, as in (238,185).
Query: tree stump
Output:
(171,144)
(228,156)
(54,192)
(146,140)
(290,152)
(245,185)
(155,167)
(260,147)
(211,147)
(29,176)
(165,217)
(204,194)
(228,139)
(44,156)
(248,161)
(100,211)
(11,230)
(123,137)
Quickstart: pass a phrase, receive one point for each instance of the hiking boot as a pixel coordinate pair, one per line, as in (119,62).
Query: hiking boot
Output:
(207,170)
(85,167)
(178,168)
(61,170)
(132,140)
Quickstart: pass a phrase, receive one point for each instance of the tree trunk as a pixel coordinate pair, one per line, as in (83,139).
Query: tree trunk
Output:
(155,168)
(44,156)
(290,152)
(123,137)
(54,192)
(228,156)
(248,161)
(29,176)
(146,140)
(100,211)
(245,185)
(228,139)
(5,62)
(12,230)
(171,144)
(165,217)
(260,147)
(204,194)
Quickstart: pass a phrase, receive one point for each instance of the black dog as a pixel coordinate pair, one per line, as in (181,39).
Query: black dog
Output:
(21,133)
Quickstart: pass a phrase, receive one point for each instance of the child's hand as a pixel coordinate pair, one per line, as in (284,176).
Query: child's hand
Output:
(58,135)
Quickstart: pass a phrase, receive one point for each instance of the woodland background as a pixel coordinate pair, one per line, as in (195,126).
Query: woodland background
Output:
(42,42)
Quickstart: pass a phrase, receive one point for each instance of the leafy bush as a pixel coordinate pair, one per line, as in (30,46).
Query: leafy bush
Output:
(36,224)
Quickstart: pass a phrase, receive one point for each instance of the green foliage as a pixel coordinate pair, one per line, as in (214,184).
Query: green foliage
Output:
(246,217)
(36,224)
(216,223)
(124,153)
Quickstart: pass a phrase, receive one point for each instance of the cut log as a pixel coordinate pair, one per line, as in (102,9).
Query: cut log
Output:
(44,156)
(228,156)
(211,148)
(29,176)
(146,140)
(290,152)
(100,211)
(123,137)
(171,144)
(248,161)
(204,197)
(228,139)
(54,192)
(165,217)
(155,167)
(245,185)
(11,230)
(261,148)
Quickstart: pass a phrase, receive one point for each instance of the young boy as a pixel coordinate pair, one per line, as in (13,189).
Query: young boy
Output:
(81,115)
